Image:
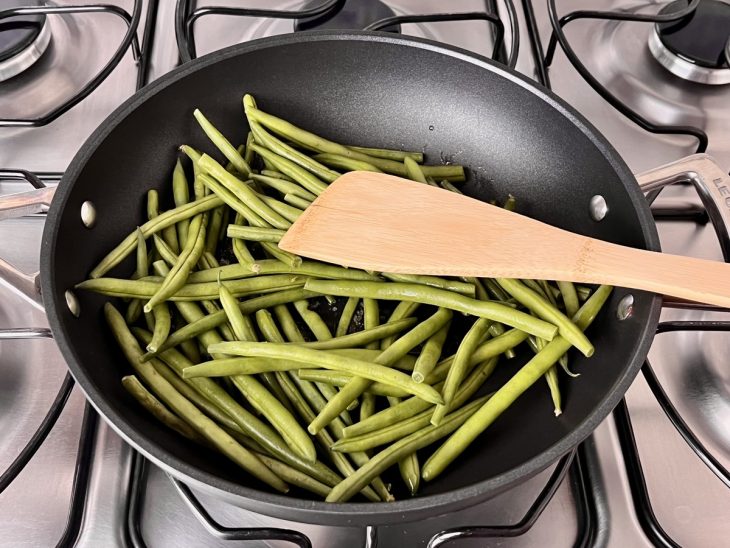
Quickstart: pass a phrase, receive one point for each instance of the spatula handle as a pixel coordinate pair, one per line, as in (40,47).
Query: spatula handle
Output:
(683,277)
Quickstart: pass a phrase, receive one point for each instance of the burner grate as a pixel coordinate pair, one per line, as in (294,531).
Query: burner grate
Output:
(558,37)
(130,40)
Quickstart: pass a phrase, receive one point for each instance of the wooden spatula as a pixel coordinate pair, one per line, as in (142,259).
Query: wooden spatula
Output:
(387,224)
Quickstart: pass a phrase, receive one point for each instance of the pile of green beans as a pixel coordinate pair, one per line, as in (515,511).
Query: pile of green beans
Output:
(311,376)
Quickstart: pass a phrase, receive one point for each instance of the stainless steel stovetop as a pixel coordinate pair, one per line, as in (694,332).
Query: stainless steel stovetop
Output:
(635,482)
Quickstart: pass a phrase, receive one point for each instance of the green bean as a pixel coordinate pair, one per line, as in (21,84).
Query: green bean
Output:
(181,196)
(434,281)
(364,337)
(193,394)
(397,155)
(529,298)
(338,378)
(404,363)
(495,328)
(120,287)
(181,406)
(254,233)
(231,168)
(412,406)
(319,144)
(243,420)
(167,254)
(306,268)
(288,212)
(289,259)
(407,416)
(213,230)
(371,320)
(161,313)
(133,311)
(316,399)
(191,350)
(329,392)
(313,320)
(535,286)
(548,290)
(367,409)
(148,400)
(458,369)
(294,477)
(241,331)
(296,201)
(493,347)
(551,376)
(142,262)
(195,328)
(414,171)
(510,203)
(222,144)
(583,292)
(328,360)
(570,297)
(408,466)
(430,354)
(300,159)
(448,186)
(511,390)
(410,472)
(240,251)
(255,393)
(287,323)
(343,324)
(340,461)
(241,366)
(284,186)
(403,309)
(345,163)
(279,417)
(164,220)
(242,191)
(271,333)
(395,351)
(276,175)
(187,259)
(347,488)
(232,201)
(153,210)
(292,170)
(437,297)
(194,156)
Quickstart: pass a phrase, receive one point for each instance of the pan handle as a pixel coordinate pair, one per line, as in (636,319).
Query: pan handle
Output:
(18,205)
(710,181)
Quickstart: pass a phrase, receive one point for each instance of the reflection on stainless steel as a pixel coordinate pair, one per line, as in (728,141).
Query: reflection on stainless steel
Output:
(23,60)
(26,333)
(689,502)
(81,45)
(684,69)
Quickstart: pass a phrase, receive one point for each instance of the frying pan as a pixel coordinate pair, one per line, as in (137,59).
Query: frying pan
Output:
(369,89)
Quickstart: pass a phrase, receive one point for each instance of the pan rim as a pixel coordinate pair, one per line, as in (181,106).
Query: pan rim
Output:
(305,510)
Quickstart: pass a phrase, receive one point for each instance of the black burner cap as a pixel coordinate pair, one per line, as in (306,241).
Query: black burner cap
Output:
(18,33)
(348,14)
(702,37)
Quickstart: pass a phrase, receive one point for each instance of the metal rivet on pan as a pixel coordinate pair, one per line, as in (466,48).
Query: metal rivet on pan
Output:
(598,207)
(72,302)
(88,214)
(625,307)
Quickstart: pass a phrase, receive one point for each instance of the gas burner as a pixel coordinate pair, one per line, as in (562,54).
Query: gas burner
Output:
(697,48)
(350,15)
(23,40)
